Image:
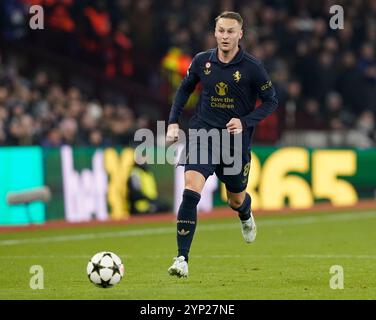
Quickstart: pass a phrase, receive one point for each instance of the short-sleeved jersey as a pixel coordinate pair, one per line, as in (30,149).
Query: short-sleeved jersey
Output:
(229,90)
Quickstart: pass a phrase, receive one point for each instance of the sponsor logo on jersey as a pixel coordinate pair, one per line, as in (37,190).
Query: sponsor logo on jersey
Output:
(221,88)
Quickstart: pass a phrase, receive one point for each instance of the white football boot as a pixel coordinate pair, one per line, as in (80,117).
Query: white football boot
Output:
(179,268)
(249,229)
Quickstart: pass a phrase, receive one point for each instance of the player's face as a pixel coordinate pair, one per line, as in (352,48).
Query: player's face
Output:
(228,33)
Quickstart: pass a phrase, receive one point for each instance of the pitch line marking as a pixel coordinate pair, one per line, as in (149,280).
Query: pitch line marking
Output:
(217,256)
(213,227)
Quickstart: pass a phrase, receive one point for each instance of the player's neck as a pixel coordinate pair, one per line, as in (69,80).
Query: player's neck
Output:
(226,57)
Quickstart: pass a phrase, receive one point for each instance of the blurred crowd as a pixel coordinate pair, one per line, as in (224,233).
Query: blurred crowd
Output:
(325,79)
(38,112)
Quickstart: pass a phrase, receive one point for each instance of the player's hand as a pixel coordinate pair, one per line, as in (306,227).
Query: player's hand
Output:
(234,126)
(172,133)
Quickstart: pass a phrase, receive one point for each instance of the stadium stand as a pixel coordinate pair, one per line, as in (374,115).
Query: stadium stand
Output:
(96,72)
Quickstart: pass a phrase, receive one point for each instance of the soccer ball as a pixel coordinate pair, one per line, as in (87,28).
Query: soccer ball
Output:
(105,269)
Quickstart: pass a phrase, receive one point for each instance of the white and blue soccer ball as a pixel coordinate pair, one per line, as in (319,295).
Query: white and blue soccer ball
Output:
(105,269)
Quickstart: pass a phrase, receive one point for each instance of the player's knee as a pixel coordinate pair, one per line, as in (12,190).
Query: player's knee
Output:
(194,182)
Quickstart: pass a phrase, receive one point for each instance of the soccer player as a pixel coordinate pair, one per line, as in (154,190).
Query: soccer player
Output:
(231,80)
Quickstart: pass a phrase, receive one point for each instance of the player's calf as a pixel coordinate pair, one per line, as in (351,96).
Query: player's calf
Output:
(187,220)
(243,209)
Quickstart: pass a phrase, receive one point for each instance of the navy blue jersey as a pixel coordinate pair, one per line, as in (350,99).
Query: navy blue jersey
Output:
(229,90)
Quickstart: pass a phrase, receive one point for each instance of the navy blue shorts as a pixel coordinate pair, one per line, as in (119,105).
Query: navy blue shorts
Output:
(234,176)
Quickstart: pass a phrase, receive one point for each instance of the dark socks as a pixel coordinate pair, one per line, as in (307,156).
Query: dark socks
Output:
(244,211)
(186,223)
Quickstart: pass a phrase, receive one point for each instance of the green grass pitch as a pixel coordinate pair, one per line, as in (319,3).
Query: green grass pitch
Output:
(290,259)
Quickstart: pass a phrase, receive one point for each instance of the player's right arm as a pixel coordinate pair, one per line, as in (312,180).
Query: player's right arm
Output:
(185,89)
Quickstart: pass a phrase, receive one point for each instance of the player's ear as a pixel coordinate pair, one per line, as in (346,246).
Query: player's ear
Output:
(241,33)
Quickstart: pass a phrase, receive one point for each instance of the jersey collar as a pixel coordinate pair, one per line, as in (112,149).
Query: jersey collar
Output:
(238,57)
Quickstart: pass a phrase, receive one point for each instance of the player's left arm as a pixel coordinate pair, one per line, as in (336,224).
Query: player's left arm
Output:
(266,93)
